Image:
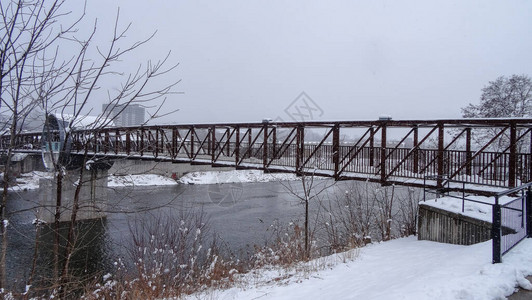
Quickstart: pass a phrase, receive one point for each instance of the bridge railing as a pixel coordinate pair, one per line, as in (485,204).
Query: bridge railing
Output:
(511,216)
(512,221)
(480,151)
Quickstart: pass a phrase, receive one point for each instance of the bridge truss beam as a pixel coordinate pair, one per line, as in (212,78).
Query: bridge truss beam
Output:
(492,152)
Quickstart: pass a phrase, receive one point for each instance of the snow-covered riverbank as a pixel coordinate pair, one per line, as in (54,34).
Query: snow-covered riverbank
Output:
(30,181)
(140,180)
(399,269)
(213,177)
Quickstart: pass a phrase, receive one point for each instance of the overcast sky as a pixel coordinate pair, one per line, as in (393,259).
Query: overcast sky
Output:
(248,60)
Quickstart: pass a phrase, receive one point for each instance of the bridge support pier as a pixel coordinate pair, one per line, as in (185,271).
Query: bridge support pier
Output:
(92,196)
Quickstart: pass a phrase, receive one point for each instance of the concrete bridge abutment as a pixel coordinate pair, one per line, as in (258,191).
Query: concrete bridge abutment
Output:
(123,167)
(92,199)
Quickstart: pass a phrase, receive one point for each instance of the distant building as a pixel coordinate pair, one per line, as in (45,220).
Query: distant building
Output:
(130,115)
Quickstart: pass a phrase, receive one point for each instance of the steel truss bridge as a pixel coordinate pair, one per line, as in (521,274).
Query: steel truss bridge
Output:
(484,154)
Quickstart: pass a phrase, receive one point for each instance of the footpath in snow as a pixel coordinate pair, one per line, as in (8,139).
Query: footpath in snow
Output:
(400,269)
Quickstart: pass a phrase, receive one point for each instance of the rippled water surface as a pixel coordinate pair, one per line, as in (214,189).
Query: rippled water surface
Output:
(240,214)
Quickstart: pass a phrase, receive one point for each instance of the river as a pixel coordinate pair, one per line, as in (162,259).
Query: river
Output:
(239,213)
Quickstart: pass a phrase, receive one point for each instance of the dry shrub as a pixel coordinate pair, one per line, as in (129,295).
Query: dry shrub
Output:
(348,219)
(366,212)
(408,209)
(171,256)
(285,246)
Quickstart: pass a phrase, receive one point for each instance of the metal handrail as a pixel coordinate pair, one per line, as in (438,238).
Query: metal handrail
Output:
(526,198)
(447,181)
(514,190)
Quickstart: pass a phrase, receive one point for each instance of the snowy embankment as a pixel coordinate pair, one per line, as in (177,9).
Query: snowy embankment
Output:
(214,177)
(139,180)
(399,269)
(30,181)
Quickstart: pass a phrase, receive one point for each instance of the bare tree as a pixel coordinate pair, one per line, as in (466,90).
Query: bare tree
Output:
(35,74)
(350,216)
(311,191)
(27,32)
(408,210)
(384,216)
(72,106)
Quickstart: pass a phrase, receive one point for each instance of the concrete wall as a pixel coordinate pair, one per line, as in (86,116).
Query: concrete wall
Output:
(130,166)
(446,227)
(23,163)
(33,162)
(93,196)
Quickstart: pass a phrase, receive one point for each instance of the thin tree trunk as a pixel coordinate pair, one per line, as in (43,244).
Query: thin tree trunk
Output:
(70,237)
(3,215)
(307,246)
(34,260)
(57,218)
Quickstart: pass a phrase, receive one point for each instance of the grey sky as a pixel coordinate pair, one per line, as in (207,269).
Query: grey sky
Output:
(246,60)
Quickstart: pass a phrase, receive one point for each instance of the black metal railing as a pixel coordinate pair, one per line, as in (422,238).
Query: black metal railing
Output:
(443,186)
(512,220)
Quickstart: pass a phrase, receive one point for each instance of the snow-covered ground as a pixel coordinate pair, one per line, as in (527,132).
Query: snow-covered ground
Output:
(399,269)
(30,180)
(474,210)
(215,177)
(139,180)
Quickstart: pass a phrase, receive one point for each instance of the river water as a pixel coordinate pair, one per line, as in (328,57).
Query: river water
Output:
(239,213)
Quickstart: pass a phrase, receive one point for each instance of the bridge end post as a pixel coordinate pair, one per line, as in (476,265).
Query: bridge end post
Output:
(468,152)
(441,134)
(274,143)
(128,142)
(265,148)
(192,131)
(383,153)
(336,150)
(371,146)
(237,146)
(300,144)
(415,149)
(513,156)
(212,143)
(173,152)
